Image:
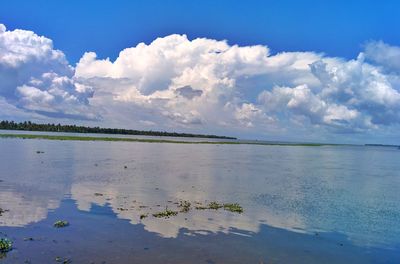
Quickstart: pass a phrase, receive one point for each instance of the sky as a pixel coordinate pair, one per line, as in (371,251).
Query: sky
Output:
(325,71)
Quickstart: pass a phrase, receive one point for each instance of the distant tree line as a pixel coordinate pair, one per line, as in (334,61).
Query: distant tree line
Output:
(29,126)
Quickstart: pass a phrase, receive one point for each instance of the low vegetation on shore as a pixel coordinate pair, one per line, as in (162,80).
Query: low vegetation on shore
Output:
(150,140)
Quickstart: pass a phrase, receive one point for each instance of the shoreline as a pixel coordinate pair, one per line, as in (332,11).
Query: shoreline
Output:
(116,139)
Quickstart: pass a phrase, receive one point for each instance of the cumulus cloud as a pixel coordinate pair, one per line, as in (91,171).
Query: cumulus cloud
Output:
(37,78)
(384,55)
(205,85)
(301,101)
(250,115)
(196,82)
(361,86)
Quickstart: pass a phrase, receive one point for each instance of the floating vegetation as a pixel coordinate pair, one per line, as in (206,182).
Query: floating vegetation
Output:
(63,260)
(233,207)
(2,211)
(180,206)
(214,205)
(185,206)
(61,223)
(166,214)
(143,216)
(5,245)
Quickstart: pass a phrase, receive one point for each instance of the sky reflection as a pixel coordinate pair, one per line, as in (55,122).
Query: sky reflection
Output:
(301,189)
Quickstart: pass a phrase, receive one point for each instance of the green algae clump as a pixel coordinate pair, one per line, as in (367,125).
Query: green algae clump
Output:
(61,223)
(185,206)
(166,214)
(143,216)
(214,205)
(5,245)
(233,207)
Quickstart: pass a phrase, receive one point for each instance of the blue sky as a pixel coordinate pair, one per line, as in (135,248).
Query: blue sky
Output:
(280,70)
(338,28)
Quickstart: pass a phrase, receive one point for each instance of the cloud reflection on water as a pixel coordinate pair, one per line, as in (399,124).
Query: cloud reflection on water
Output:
(295,188)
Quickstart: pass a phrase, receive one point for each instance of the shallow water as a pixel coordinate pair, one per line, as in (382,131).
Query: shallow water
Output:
(330,204)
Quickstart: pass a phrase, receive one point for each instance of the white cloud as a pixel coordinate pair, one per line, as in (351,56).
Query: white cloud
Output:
(38,78)
(361,86)
(205,85)
(250,115)
(196,82)
(384,55)
(300,100)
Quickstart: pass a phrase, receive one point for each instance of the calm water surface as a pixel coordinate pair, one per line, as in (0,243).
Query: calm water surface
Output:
(301,204)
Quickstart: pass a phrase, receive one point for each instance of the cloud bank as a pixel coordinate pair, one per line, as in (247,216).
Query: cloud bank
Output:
(36,78)
(204,85)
